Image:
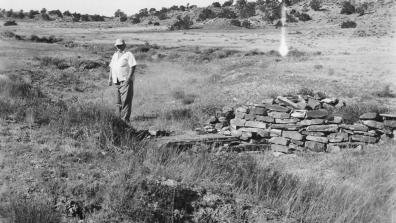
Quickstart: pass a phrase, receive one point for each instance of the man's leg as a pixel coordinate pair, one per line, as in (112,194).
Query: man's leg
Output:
(126,91)
(118,101)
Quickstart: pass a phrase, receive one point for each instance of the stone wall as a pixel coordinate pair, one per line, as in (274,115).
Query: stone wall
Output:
(298,123)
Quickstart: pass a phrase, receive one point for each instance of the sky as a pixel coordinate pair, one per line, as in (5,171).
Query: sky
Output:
(103,7)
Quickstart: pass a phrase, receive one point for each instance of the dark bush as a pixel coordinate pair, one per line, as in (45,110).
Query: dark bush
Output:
(290,18)
(228,3)
(162,15)
(304,17)
(181,23)
(85,18)
(316,5)
(32,14)
(123,18)
(235,22)
(361,10)
(227,14)
(348,24)
(206,14)
(216,4)
(56,12)
(10,23)
(247,9)
(347,8)
(246,23)
(156,24)
(150,23)
(67,13)
(45,17)
(135,20)
(97,18)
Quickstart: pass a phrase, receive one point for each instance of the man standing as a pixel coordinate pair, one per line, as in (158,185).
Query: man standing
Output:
(122,74)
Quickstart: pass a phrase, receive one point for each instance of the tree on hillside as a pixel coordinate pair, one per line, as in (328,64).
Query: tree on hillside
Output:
(240,4)
(56,12)
(10,13)
(32,13)
(216,4)
(143,12)
(206,14)
(152,11)
(174,7)
(246,9)
(182,8)
(85,18)
(117,13)
(227,13)
(228,3)
(21,15)
(43,11)
(67,13)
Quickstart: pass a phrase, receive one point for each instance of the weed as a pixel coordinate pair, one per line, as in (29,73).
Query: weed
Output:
(348,24)
(352,112)
(10,23)
(386,92)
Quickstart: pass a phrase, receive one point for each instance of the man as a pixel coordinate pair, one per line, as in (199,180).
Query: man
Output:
(122,74)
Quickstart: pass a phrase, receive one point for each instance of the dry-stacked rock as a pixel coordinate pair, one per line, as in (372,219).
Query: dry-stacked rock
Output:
(298,123)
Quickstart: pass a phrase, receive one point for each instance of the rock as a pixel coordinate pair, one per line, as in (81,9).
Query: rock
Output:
(271,107)
(245,136)
(323,128)
(363,138)
(240,115)
(321,113)
(299,114)
(279,141)
(312,122)
(328,107)
(369,133)
(286,126)
(388,116)
(242,109)
(219,126)
(258,111)
(275,132)
(318,139)
(331,148)
(312,133)
(213,120)
(288,102)
(336,120)
(338,137)
(390,123)
(295,147)
(250,117)
(292,135)
(313,104)
(237,122)
(256,124)
(286,121)
(355,127)
(369,116)
(255,130)
(374,124)
(236,133)
(315,146)
(227,132)
(266,119)
(347,145)
(340,105)
(331,101)
(279,115)
(279,148)
(269,101)
(263,133)
(297,142)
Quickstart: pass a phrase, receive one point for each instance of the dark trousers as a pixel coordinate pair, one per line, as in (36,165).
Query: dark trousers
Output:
(124,96)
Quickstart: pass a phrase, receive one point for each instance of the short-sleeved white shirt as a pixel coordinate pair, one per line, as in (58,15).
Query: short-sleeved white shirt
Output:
(121,64)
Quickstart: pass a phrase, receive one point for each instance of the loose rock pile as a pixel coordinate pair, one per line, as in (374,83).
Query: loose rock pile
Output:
(299,123)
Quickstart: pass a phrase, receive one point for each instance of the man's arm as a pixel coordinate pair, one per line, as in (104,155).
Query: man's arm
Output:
(110,78)
(131,76)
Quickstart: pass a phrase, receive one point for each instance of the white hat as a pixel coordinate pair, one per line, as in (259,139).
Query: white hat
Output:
(119,42)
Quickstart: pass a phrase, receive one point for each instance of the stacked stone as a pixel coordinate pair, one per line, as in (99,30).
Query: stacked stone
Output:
(220,122)
(305,123)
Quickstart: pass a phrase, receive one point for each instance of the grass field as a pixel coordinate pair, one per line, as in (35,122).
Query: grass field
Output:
(65,157)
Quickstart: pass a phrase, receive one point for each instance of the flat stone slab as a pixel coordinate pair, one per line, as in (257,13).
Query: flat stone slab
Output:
(278,115)
(279,148)
(320,113)
(374,124)
(266,119)
(338,137)
(388,116)
(286,120)
(390,123)
(315,146)
(272,107)
(292,135)
(318,139)
(355,127)
(256,124)
(369,116)
(279,141)
(286,126)
(363,138)
(312,122)
(323,128)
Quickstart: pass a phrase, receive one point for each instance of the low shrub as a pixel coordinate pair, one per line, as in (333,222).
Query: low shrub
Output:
(348,24)
(181,23)
(206,14)
(246,24)
(352,112)
(347,8)
(150,22)
(316,5)
(235,22)
(156,24)
(227,14)
(10,23)
(304,17)
(135,20)
(50,39)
